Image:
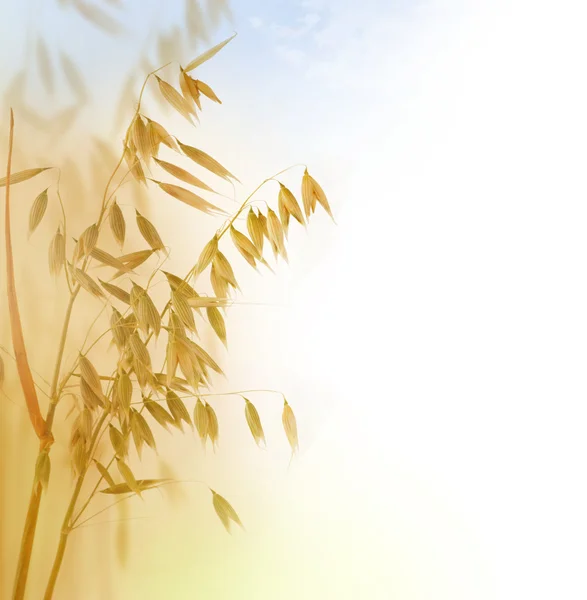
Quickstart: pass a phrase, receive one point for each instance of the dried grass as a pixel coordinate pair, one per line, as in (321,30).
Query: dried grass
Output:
(121,409)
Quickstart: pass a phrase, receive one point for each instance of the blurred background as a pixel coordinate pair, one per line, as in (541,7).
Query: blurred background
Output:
(431,343)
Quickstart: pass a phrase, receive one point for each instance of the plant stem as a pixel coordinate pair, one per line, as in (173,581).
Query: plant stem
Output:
(63,539)
(66,525)
(26,546)
(28,388)
(59,359)
(22,363)
(28,535)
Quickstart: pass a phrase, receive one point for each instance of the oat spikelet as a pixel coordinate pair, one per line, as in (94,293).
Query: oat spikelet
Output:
(182,174)
(145,430)
(219,285)
(117,292)
(205,89)
(189,89)
(22,176)
(90,375)
(123,389)
(244,246)
(206,161)
(136,259)
(178,409)
(149,233)
(134,165)
(283,214)
(254,422)
(128,476)
(117,223)
(43,469)
(90,398)
(276,235)
(201,420)
(178,284)
(141,139)
(88,239)
(139,350)
(162,135)
(181,105)
(212,425)
(224,269)
(87,283)
(117,441)
(189,198)
(312,193)
(183,310)
(56,253)
(171,357)
(124,488)
(207,55)
(217,322)
(204,357)
(206,256)
(176,326)
(291,204)
(38,210)
(104,473)
(154,139)
(255,230)
(158,413)
(110,261)
(263,224)
(290,426)
(79,458)
(145,310)
(120,334)
(224,510)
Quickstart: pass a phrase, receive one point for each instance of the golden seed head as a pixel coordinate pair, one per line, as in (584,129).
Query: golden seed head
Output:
(201,420)
(290,426)
(212,424)
(225,511)
(254,422)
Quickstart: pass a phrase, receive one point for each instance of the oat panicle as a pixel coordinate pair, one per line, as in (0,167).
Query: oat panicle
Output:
(152,365)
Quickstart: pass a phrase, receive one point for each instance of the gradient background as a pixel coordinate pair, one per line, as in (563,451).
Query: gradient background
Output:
(432,344)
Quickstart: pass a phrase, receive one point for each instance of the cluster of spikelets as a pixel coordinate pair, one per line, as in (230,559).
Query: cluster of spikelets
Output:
(109,402)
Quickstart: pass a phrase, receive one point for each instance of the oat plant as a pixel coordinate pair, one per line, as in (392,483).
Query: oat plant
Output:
(119,399)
